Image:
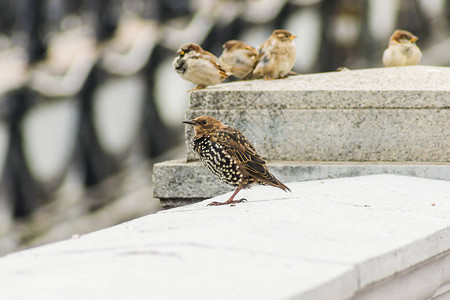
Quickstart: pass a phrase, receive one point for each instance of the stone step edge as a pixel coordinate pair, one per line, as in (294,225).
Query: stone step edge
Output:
(320,99)
(177,182)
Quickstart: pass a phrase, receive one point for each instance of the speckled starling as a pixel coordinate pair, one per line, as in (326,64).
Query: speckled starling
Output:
(230,156)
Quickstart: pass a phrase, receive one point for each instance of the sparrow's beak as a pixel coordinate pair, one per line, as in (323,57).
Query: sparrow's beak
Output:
(413,39)
(190,122)
(292,37)
(180,52)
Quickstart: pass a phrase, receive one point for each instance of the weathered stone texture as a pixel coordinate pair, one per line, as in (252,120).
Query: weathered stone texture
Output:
(360,122)
(340,134)
(177,179)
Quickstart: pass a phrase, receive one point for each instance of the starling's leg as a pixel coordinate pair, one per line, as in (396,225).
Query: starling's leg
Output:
(229,201)
(198,87)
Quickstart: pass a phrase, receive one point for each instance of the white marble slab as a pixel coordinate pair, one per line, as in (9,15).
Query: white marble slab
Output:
(328,239)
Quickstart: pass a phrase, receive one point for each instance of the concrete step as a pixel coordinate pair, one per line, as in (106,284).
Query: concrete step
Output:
(370,237)
(178,182)
(388,114)
(399,87)
(340,134)
(328,125)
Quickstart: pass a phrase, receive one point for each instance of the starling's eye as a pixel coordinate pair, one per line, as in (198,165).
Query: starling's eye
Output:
(203,122)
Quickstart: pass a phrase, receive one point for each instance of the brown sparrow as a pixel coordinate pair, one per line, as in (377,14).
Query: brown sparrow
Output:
(276,56)
(402,50)
(238,58)
(198,66)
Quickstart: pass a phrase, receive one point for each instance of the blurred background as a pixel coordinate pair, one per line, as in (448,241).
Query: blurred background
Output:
(89,99)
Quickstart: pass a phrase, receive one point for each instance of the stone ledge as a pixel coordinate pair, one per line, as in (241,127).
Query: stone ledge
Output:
(371,237)
(381,114)
(177,179)
(400,87)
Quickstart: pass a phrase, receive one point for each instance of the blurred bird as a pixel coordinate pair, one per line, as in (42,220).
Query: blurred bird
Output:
(276,56)
(402,50)
(198,66)
(229,155)
(238,58)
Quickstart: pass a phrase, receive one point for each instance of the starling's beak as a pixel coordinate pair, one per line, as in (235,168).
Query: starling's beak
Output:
(292,37)
(190,122)
(413,39)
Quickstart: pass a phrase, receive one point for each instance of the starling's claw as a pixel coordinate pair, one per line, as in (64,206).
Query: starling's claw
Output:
(233,202)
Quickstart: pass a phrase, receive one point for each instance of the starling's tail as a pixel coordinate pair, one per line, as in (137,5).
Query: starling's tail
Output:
(271,180)
(281,185)
(257,169)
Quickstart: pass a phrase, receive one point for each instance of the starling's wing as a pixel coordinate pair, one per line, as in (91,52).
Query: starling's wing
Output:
(237,145)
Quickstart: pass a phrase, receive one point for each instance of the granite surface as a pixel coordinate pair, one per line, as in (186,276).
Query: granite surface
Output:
(384,120)
(398,87)
(192,181)
(385,114)
(340,134)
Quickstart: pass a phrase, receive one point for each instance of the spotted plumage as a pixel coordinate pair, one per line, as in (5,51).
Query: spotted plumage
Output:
(217,160)
(230,156)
